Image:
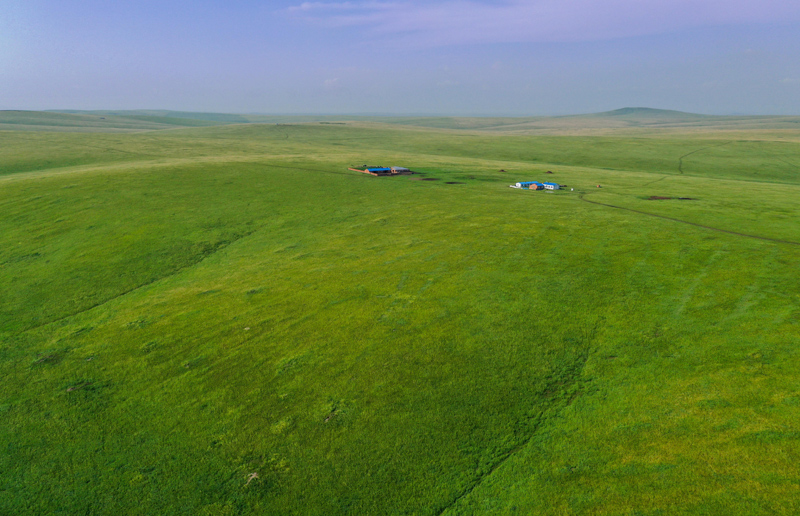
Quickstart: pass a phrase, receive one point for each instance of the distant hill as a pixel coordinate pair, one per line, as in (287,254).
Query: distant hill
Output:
(641,120)
(643,112)
(164,114)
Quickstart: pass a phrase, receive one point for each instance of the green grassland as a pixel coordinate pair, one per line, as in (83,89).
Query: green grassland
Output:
(634,122)
(225,320)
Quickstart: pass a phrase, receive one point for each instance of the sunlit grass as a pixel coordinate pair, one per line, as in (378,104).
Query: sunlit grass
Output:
(227,321)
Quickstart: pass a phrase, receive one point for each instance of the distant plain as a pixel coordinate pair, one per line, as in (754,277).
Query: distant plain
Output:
(209,314)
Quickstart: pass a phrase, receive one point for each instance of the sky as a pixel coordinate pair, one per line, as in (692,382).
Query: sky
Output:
(402,57)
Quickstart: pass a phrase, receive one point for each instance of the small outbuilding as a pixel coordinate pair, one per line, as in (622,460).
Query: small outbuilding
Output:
(529,185)
(382,171)
(552,186)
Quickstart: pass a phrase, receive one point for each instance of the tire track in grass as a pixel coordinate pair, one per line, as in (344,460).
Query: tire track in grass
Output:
(503,458)
(141,286)
(568,378)
(312,170)
(788,162)
(747,235)
(689,292)
(651,182)
(173,273)
(680,159)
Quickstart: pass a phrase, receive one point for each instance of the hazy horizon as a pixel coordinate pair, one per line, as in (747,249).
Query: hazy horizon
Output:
(402,58)
(389,114)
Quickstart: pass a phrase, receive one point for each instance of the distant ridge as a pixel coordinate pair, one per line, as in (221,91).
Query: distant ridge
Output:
(162,113)
(86,121)
(644,112)
(628,112)
(627,120)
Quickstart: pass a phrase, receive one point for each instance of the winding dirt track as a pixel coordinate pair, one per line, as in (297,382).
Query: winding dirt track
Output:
(757,237)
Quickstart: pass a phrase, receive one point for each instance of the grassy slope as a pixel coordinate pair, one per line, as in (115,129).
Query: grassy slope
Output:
(188,308)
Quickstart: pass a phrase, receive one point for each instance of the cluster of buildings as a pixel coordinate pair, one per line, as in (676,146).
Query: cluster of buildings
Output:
(536,185)
(396,171)
(383,171)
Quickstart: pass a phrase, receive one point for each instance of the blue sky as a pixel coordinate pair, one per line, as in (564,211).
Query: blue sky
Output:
(513,57)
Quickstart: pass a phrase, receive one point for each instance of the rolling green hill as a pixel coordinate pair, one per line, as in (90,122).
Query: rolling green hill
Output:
(225,320)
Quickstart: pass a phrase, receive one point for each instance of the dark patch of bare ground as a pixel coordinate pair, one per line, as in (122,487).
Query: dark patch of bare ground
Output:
(662,198)
(454,183)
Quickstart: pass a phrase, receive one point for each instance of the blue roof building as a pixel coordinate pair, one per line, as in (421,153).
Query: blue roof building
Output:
(532,185)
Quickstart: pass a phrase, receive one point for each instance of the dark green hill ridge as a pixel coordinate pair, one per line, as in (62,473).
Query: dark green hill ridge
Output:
(644,112)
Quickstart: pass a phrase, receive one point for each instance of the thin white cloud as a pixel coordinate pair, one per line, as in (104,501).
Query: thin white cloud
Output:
(329,7)
(471,21)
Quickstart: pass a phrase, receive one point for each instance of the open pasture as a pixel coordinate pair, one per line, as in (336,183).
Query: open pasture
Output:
(225,320)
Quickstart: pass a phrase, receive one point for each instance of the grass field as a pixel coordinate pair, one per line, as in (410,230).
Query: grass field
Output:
(225,320)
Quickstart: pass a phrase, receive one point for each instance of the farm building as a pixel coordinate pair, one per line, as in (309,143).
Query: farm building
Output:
(552,186)
(382,171)
(529,185)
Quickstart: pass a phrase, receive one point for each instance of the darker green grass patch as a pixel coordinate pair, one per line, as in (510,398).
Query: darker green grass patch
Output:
(714,404)
(770,436)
